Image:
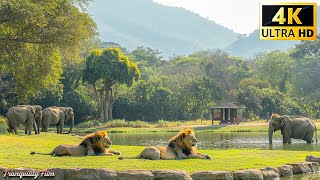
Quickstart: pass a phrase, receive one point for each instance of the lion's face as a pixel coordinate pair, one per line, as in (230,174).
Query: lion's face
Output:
(106,142)
(191,140)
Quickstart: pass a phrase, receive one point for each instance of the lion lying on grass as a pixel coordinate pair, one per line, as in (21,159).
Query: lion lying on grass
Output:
(93,144)
(181,146)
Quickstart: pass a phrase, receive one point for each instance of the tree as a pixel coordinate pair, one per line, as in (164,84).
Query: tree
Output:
(225,70)
(145,56)
(35,36)
(306,68)
(104,68)
(276,68)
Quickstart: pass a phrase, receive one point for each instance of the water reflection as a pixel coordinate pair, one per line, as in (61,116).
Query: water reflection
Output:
(212,140)
(315,176)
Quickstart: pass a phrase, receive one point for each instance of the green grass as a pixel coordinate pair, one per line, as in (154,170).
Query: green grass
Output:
(15,149)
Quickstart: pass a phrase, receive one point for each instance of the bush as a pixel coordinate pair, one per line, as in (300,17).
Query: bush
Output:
(138,124)
(117,123)
(3,124)
(89,124)
(162,123)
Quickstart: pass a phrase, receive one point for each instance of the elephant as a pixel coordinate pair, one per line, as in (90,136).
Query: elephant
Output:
(22,115)
(38,114)
(296,127)
(57,116)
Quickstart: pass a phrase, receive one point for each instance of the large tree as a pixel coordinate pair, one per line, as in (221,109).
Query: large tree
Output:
(276,68)
(104,68)
(35,38)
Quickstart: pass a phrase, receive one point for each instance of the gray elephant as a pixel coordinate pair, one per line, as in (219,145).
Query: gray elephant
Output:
(38,114)
(57,116)
(296,127)
(22,115)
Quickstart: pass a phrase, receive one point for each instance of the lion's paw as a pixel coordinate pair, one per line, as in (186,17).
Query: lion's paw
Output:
(208,157)
(117,153)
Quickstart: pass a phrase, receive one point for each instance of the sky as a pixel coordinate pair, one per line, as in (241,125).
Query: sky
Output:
(242,16)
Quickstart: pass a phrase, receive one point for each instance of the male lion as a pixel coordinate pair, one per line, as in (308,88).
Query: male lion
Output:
(93,144)
(181,146)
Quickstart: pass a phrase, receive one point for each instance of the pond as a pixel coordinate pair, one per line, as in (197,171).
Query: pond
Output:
(213,140)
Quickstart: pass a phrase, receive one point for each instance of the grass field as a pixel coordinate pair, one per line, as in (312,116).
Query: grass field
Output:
(15,149)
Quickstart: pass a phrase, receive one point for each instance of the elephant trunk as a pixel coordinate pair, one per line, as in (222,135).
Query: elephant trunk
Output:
(71,123)
(270,135)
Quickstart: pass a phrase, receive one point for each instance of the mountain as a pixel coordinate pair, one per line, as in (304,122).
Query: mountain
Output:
(171,30)
(247,46)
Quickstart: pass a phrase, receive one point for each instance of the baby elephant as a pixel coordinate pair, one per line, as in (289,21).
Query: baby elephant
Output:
(296,127)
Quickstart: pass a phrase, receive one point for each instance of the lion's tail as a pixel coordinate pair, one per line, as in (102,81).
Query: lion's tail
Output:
(51,153)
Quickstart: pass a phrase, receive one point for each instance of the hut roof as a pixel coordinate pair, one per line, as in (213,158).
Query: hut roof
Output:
(226,105)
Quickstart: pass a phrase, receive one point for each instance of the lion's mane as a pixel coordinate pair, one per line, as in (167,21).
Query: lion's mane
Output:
(95,141)
(178,141)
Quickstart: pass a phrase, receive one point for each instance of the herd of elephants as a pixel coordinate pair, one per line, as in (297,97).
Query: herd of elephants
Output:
(32,116)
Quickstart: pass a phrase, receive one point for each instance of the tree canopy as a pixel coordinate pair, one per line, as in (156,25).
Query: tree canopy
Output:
(35,36)
(104,68)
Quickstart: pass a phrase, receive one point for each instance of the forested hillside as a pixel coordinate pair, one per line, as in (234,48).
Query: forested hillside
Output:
(248,46)
(169,29)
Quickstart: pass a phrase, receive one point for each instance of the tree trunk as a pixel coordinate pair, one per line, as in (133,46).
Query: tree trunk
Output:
(100,99)
(107,109)
(106,105)
(110,112)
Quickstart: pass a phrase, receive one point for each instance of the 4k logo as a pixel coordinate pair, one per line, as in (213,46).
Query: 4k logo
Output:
(288,21)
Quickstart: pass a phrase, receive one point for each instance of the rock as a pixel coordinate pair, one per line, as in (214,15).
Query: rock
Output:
(109,174)
(270,173)
(300,168)
(313,159)
(136,175)
(315,166)
(58,173)
(171,174)
(88,174)
(305,167)
(251,174)
(208,175)
(285,171)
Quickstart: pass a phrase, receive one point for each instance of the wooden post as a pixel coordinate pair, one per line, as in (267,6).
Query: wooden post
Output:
(226,115)
(232,115)
(212,115)
(236,115)
(221,115)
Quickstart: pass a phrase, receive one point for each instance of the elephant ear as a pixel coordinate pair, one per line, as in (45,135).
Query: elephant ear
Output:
(283,122)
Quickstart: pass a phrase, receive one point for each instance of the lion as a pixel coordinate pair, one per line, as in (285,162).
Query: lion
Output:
(181,146)
(93,144)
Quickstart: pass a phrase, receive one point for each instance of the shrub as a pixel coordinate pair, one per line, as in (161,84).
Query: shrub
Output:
(138,124)
(117,123)
(162,123)
(88,124)
(3,124)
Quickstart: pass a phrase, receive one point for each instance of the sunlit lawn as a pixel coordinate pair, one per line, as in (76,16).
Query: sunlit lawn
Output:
(15,149)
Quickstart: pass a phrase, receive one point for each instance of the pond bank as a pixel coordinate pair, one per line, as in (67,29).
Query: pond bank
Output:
(85,173)
(205,126)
